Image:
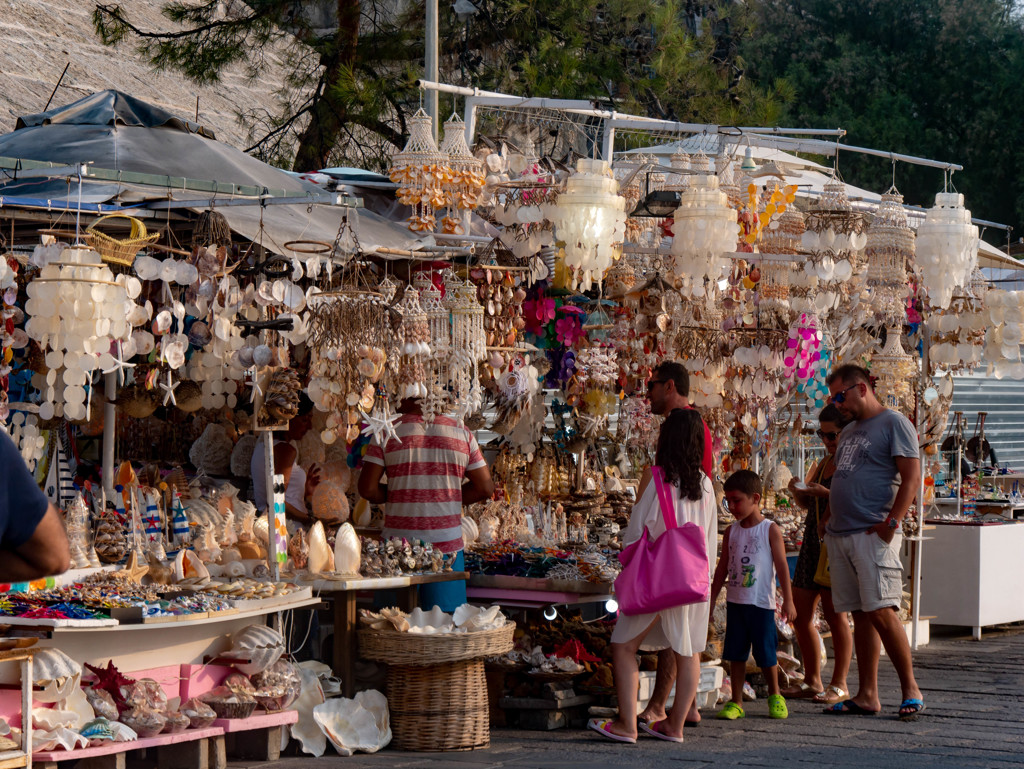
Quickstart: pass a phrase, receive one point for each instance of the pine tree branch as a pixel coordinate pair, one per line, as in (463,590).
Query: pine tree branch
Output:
(124,25)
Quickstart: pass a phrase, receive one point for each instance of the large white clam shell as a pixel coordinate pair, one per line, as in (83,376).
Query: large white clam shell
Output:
(377,704)
(348,725)
(306,729)
(429,622)
(347,550)
(320,555)
(477,618)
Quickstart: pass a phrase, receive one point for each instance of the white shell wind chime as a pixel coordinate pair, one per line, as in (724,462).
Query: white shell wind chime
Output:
(439,370)
(590,218)
(947,248)
(464,182)
(705,229)
(468,346)
(421,171)
(78,312)
(834,236)
(889,248)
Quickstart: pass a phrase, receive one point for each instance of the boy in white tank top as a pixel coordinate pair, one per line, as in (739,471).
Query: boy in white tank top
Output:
(753,555)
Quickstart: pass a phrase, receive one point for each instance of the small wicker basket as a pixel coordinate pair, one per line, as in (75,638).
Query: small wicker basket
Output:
(417,649)
(120,252)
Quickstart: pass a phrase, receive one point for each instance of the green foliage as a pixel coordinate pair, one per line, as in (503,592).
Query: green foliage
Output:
(935,79)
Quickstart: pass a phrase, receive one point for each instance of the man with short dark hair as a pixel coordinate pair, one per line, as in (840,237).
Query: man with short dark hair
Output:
(875,481)
(32,539)
(669,389)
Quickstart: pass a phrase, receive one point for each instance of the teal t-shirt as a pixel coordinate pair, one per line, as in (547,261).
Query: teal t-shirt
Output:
(866,480)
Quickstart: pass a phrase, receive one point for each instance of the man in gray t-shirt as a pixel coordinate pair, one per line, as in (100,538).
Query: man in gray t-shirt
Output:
(876,478)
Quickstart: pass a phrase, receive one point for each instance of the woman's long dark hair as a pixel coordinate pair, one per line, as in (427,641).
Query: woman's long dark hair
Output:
(681,451)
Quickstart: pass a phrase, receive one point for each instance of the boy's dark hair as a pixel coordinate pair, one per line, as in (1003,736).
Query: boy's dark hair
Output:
(850,374)
(744,481)
(670,370)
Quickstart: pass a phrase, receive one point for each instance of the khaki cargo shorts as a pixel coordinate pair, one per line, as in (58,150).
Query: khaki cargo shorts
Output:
(866,571)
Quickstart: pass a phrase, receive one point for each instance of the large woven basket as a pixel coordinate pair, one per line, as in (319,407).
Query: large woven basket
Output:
(416,649)
(439,708)
(120,252)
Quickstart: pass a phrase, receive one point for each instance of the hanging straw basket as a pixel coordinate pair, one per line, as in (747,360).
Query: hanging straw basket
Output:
(396,648)
(120,252)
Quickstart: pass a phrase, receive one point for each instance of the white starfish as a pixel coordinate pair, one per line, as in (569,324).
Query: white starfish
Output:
(591,424)
(381,425)
(169,389)
(120,365)
(256,389)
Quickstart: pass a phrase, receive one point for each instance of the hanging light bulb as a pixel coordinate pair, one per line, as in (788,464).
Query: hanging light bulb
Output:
(705,228)
(748,163)
(947,248)
(590,217)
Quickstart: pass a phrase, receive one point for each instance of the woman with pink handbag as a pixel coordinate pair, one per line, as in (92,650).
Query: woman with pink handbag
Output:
(663,588)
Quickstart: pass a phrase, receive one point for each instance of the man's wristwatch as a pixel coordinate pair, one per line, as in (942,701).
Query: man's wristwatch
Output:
(892,523)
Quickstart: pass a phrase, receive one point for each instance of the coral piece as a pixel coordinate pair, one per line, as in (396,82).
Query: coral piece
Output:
(211,451)
(330,502)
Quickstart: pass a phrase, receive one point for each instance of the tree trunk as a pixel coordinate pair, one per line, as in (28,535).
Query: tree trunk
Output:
(328,113)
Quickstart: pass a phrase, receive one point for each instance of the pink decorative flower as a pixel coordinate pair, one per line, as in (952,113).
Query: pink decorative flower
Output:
(568,330)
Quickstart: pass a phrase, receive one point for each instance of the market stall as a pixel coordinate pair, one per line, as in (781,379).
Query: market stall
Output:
(196,381)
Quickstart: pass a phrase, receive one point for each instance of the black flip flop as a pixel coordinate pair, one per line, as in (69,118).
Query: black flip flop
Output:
(848,708)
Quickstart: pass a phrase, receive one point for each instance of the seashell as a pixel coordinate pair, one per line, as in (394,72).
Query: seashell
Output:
(347,549)
(61,737)
(470,531)
(187,565)
(320,555)
(51,718)
(433,621)
(306,730)
(235,569)
(262,355)
(349,726)
(362,515)
(329,502)
(57,673)
(476,618)
(97,730)
(122,732)
(375,702)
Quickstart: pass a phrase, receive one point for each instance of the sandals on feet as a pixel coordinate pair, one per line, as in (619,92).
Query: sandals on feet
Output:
(848,708)
(830,696)
(802,692)
(600,725)
(910,708)
(731,712)
(777,706)
(652,729)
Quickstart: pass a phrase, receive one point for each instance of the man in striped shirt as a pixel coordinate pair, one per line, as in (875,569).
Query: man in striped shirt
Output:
(424,495)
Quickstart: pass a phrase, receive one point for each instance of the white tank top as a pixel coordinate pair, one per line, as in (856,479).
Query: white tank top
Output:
(751,577)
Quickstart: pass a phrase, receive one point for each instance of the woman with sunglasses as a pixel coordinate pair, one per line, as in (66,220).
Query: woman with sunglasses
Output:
(813,496)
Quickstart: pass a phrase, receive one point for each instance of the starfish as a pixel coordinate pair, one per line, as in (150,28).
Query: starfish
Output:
(169,389)
(134,571)
(381,425)
(256,389)
(110,679)
(120,365)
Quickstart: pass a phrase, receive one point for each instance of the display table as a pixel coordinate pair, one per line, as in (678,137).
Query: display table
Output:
(534,593)
(969,573)
(135,646)
(343,592)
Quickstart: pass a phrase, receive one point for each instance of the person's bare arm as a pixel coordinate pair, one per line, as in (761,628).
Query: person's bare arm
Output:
(370,487)
(478,486)
(782,570)
(44,555)
(721,570)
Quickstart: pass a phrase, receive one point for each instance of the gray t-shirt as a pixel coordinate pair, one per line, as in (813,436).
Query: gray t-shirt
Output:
(866,480)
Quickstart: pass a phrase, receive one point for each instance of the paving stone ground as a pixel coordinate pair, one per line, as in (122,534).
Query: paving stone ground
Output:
(974,693)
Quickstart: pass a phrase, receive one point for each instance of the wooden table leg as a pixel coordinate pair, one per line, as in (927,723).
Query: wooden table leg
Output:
(407,598)
(344,658)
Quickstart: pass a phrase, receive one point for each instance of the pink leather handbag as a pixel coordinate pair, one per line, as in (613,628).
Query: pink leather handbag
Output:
(671,570)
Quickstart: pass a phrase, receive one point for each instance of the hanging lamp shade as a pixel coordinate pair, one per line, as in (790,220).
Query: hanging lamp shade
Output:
(590,218)
(947,248)
(895,370)
(890,245)
(705,228)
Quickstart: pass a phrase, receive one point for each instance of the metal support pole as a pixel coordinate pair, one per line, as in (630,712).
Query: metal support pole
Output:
(430,62)
(109,431)
(915,588)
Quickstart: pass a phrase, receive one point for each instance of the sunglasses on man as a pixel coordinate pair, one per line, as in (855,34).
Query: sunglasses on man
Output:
(840,397)
(827,436)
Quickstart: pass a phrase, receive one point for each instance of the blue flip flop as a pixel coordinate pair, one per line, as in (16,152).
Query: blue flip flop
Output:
(848,708)
(913,706)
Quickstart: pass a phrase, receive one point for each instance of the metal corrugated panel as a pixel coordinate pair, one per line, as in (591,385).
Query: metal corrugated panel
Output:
(1003,399)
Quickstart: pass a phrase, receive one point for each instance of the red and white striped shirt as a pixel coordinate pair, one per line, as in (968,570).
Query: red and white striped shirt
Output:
(425,467)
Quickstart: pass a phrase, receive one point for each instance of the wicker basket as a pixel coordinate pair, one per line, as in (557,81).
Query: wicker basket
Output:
(442,707)
(429,650)
(120,252)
